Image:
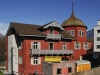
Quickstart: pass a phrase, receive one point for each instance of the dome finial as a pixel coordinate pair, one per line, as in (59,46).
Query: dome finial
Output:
(72,8)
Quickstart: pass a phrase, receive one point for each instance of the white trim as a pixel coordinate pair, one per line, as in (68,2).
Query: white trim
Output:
(32,35)
(38,45)
(38,60)
(53,24)
(86,44)
(81,33)
(79,45)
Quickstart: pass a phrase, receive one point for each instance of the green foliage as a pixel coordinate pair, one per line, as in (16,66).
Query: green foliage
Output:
(2,48)
(1,73)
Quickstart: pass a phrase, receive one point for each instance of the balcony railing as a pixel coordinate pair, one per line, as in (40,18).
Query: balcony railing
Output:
(50,52)
(54,36)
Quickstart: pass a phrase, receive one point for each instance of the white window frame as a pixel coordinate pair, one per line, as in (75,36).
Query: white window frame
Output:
(86,46)
(20,60)
(98,45)
(63,46)
(34,44)
(34,60)
(71,32)
(77,45)
(81,33)
(97,31)
(98,38)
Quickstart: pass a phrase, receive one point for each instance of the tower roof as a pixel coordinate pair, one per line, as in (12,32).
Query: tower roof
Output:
(73,21)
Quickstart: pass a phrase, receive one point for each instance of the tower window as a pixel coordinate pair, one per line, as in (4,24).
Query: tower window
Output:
(71,32)
(81,33)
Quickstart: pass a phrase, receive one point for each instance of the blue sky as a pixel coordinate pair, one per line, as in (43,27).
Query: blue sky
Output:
(43,11)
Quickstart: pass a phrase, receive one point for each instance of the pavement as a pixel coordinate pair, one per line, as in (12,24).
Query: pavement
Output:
(5,72)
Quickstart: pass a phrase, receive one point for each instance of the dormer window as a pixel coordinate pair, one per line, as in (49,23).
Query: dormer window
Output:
(71,32)
(81,33)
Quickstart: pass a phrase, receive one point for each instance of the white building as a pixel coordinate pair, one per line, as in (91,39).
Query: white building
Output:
(96,49)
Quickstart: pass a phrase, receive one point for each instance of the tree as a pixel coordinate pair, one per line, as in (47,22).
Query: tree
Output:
(2,48)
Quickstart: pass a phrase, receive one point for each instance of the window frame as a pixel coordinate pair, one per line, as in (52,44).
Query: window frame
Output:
(38,60)
(77,46)
(35,46)
(98,31)
(71,32)
(63,46)
(58,72)
(52,45)
(20,60)
(86,46)
(97,46)
(69,69)
(98,38)
(81,33)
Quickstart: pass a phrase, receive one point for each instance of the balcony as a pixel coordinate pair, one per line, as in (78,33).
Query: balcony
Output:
(50,52)
(54,36)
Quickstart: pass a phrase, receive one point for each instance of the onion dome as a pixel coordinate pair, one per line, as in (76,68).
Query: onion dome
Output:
(73,21)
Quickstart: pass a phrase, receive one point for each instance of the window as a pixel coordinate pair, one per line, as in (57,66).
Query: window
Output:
(51,45)
(35,45)
(77,45)
(98,38)
(51,31)
(59,71)
(71,32)
(81,33)
(86,46)
(35,60)
(98,31)
(20,60)
(69,69)
(36,72)
(63,46)
(98,46)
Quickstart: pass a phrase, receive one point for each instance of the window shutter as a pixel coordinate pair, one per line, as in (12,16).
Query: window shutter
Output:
(74,45)
(31,60)
(31,45)
(39,45)
(39,60)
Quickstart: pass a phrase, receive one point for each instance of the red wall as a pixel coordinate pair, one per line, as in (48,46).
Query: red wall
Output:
(26,66)
(81,39)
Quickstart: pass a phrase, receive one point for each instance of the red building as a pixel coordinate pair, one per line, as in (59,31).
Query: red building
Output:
(29,44)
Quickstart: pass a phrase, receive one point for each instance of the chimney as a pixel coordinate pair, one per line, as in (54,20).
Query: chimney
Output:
(98,22)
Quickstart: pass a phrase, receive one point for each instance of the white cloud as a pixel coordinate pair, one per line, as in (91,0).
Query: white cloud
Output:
(3,28)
